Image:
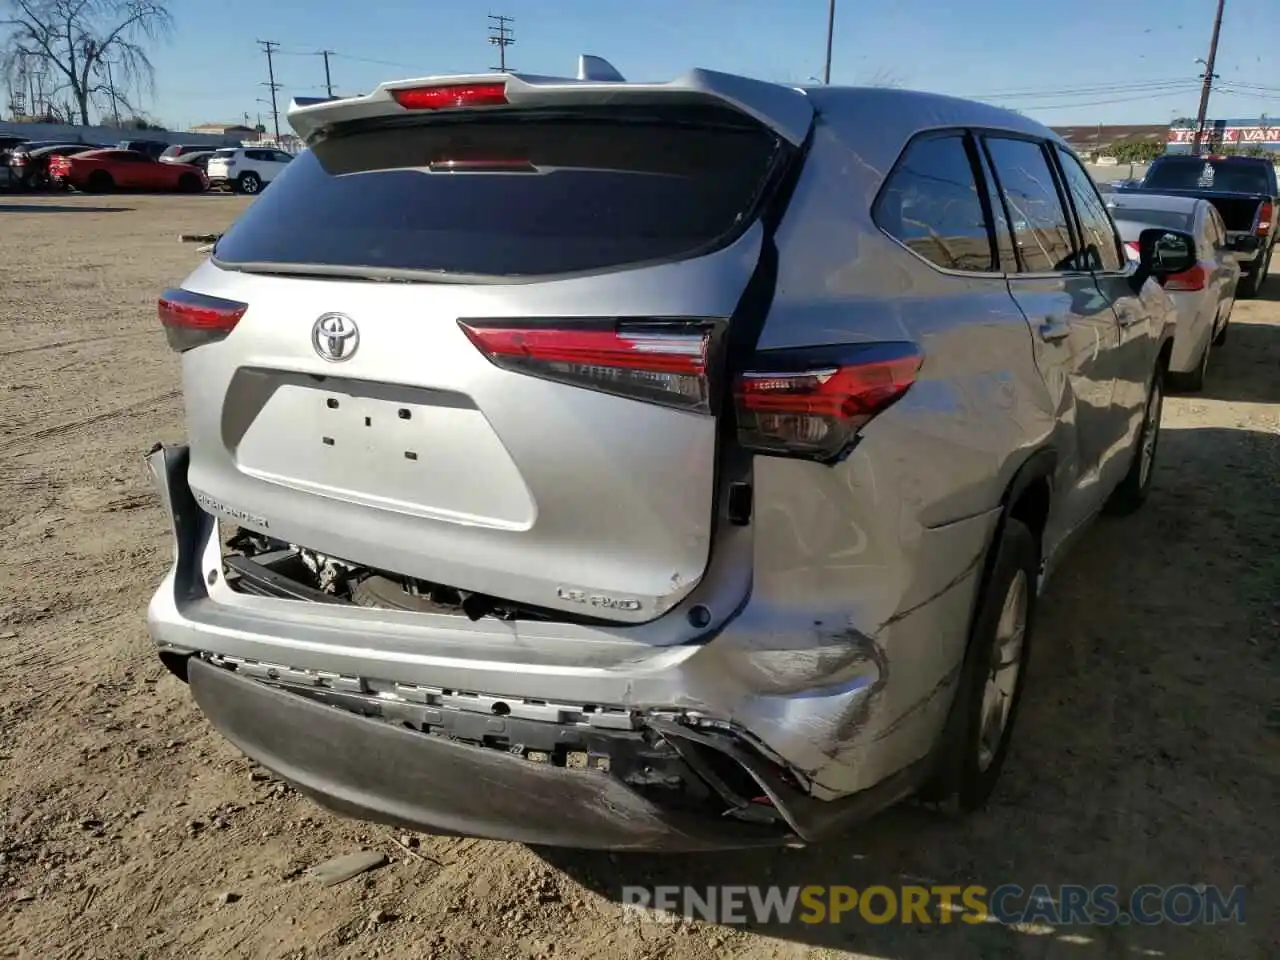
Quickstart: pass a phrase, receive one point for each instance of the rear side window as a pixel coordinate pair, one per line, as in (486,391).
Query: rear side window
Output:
(1041,228)
(1100,246)
(520,194)
(931,204)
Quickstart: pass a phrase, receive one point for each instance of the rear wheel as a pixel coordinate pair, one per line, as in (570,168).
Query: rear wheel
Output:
(1252,286)
(249,183)
(100,182)
(982,717)
(1133,489)
(1220,337)
(1193,380)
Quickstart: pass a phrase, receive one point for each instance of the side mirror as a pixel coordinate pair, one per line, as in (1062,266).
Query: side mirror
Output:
(1248,243)
(1162,253)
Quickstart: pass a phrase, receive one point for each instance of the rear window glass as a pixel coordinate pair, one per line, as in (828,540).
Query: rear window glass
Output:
(1198,174)
(1171,219)
(515,195)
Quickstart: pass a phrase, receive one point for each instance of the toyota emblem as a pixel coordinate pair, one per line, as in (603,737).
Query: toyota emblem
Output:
(335,337)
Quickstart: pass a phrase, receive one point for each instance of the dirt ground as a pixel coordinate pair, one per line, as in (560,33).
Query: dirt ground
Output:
(1148,749)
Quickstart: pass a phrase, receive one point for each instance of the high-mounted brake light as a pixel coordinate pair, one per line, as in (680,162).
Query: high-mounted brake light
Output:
(812,402)
(1196,278)
(1265,210)
(452,96)
(658,361)
(194,319)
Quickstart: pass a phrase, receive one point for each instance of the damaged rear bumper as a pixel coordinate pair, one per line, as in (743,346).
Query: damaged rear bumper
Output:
(361,708)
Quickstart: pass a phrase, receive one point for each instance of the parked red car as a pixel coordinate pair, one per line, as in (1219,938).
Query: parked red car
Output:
(99,171)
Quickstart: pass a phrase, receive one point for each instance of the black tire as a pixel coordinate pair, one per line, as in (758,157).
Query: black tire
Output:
(249,183)
(1220,337)
(1131,493)
(972,749)
(1193,381)
(100,182)
(189,183)
(1252,285)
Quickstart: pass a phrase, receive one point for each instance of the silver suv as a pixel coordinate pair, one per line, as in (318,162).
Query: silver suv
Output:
(647,465)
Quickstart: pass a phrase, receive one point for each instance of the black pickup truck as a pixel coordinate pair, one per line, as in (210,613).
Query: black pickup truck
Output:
(1244,191)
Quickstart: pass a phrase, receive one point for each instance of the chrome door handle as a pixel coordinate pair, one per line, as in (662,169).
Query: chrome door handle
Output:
(1054,329)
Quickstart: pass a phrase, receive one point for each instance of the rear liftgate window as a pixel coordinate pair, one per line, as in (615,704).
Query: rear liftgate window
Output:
(513,194)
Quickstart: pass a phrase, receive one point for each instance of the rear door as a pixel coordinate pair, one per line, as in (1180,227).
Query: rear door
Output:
(1074,327)
(1140,315)
(484,352)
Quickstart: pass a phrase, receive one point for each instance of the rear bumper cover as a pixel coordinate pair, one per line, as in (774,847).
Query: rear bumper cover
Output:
(814,703)
(373,770)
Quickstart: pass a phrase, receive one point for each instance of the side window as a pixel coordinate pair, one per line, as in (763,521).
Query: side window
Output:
(256,155)
(931,204)
(280,157)
(1101,246)
(1040,224)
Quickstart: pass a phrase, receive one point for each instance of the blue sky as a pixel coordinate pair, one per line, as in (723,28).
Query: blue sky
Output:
(1109,61)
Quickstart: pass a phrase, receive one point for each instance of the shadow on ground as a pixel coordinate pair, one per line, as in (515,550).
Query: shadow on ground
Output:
(1147,750)
(57,208)
(1247,366)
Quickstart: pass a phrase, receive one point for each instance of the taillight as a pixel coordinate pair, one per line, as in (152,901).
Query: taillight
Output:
(18,160)
(1132,250)
(656,361)
(811,402)
(1264,217)
(452,95)
(194,319)
(1194,279)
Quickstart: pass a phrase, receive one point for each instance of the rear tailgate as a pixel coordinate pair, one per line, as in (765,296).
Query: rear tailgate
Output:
(517,396)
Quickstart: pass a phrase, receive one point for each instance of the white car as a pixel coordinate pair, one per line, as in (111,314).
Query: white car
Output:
(246,169)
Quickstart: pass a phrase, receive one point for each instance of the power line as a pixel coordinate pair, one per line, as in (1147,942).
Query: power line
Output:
(501,36)
(269,47)
(1100,89)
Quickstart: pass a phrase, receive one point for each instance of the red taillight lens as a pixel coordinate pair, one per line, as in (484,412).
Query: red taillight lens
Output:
(194,319)
(1194,279)
(1132,250)
(1264,217)
(652,360)
(813,401)
(18,160)
(452,96)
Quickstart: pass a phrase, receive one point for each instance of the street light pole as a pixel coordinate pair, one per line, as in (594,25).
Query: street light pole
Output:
(831,29)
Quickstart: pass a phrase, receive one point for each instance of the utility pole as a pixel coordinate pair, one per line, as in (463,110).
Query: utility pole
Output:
(270,47)
(831,30)
(1209,77)
(328,83)
(501,36)
(111,90)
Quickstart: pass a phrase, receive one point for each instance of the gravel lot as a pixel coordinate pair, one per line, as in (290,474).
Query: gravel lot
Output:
(1148,748)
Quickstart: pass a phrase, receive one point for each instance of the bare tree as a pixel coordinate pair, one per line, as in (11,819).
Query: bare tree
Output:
(884,77)
(77,38)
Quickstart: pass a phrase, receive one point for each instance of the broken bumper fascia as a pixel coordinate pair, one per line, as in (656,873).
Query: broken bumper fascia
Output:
(804,701)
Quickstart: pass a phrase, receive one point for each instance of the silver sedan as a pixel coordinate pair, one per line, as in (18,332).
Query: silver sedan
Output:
(1203,295)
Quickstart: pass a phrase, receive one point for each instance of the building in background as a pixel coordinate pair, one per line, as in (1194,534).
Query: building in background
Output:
(1255,134)
(237,130)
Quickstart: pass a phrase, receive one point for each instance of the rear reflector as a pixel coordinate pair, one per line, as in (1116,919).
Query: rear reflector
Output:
(194,319)
(1194,279)
(452,96)
(812,402)
(1264,218)
(655,361)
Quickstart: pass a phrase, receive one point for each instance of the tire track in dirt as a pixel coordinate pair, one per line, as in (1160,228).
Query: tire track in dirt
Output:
(125,412)
(74,342)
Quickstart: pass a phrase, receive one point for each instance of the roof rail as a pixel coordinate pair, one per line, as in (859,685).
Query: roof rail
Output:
(599,69)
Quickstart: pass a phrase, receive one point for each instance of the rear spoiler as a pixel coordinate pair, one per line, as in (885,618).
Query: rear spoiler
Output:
(785,110)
